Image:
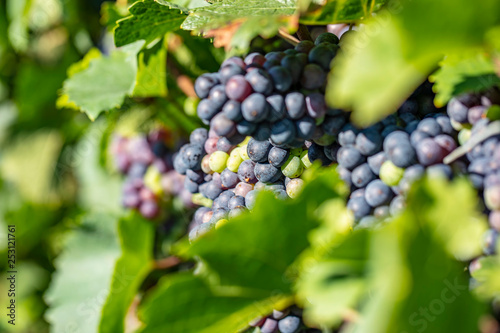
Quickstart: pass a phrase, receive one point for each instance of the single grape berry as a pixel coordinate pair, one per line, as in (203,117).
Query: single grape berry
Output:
(237,88)
(255,108)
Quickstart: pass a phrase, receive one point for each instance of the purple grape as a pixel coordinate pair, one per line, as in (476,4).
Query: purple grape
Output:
(246,172)
(237,88)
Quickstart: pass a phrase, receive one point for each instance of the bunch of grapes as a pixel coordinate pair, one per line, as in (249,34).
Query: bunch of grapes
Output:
(468,116)
(268,122)
(147,163)
(286,321)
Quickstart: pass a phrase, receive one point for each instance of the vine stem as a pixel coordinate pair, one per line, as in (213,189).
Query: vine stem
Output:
(166,263)
(303,33)
(289,38)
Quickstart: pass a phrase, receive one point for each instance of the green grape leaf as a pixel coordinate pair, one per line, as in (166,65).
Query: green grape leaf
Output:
(252,252)
(333,271)
(83,275)
(107,259)
(152,72)
(246,32)
(183,303)
(111,12)
(220,13)
(454,219)
(29,163)
(149,20)
(457,74)
(340,11)
(384,62)
(363,81)
(190,4)
(136,239)
(415,282)
(105,83)
(487,283)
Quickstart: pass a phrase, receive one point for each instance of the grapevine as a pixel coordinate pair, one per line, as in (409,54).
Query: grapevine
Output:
(264,166)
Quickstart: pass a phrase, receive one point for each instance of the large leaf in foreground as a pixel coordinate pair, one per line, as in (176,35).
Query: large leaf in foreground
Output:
(184,303)
(83,275)
(415,283)
(397,50)
(149,20)
(253,252)
(106,261)
(136,239)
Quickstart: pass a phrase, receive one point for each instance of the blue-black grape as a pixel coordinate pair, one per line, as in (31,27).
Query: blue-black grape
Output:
(281,77)
(206,109)
(368,142)
(313,77)
(305,127)
(362,175)
(359,207)
(199,136)
(377,193)
(245,127)
(223,126)
(232,110)
(278,156)
(349,157)
(283,132)
(260,81)
(277,110)
(203,84)
(246,172)
(191,155)
(258,150)
(295,105)
(266,173)
(255,108)
(326,37)
(228,178)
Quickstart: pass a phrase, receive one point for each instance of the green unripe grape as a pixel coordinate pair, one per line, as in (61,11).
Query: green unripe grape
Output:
(190,105)
(220,223)
(152,180)
(391,174)
(244,142)
(234,160)
(217,161)
(294,187)
(200,200)
(304,158)
(244,153)
(296,151)
(292,167)
(463,136)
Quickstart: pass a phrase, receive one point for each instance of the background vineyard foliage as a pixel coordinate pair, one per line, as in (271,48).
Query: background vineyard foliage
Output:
(74,71)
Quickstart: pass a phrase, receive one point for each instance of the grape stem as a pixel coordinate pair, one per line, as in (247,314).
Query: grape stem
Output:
(166,263)
(287,37)
(491,130)
(303,33)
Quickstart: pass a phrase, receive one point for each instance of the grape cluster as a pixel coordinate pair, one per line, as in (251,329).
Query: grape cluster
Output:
(225,178)
(147,163)
(468,116)
(278,96)
(286,321)
(380,162)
